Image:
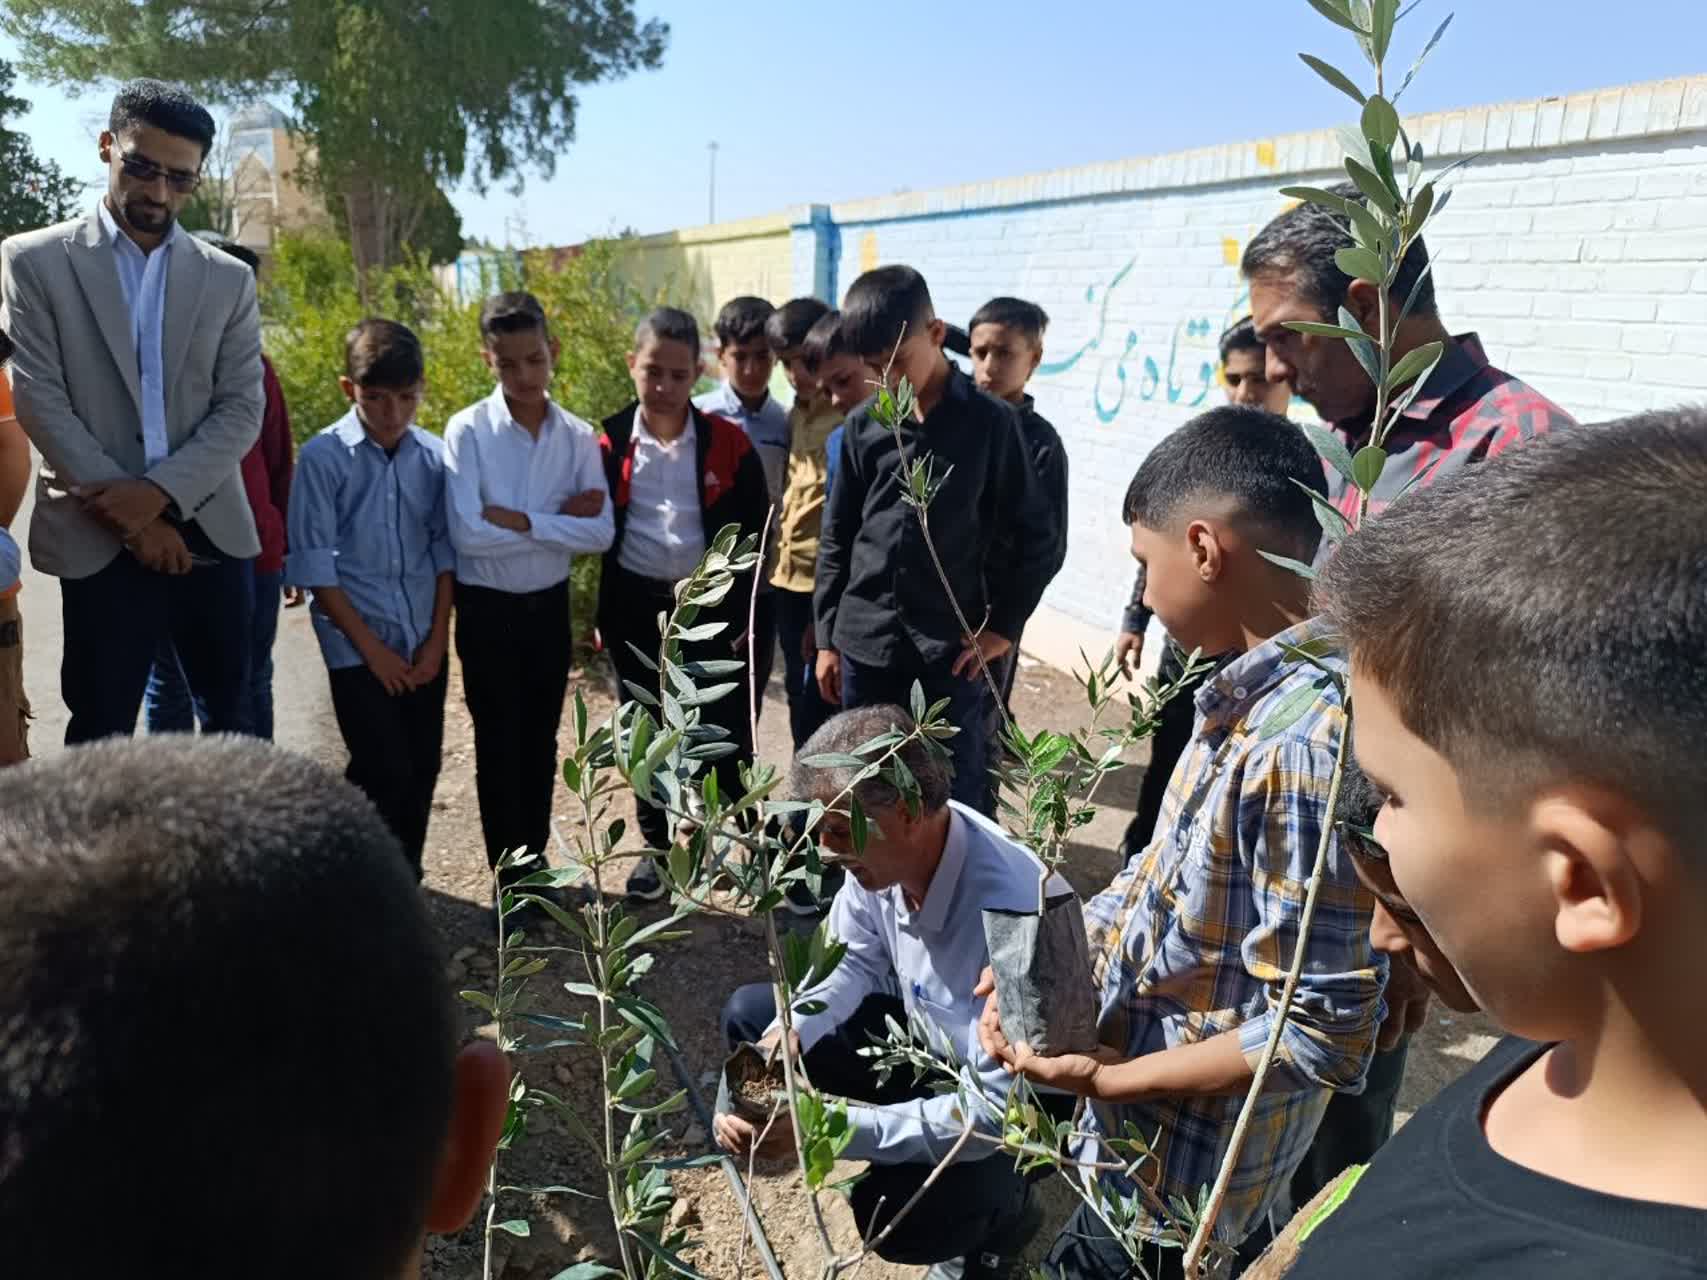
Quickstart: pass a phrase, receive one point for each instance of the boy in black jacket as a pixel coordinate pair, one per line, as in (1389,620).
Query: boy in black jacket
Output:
(884,620)
(677,475)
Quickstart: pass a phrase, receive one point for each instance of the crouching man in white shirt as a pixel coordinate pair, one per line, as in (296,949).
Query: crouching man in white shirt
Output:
(911,914)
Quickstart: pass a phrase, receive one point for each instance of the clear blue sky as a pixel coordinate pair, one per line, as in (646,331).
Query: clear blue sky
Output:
(897,94)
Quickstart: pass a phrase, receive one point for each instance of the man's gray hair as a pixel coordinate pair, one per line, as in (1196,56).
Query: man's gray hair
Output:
(843,735)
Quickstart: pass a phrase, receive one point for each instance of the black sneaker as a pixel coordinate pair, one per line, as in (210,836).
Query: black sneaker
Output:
(644,884)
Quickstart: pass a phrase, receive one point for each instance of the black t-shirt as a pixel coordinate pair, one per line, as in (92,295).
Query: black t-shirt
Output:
(1440,1202)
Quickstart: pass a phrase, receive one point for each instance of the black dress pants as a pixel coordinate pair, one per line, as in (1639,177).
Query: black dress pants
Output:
(394,742)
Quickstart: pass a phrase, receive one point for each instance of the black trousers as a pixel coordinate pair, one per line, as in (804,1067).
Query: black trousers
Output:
(116,618)
(807,709)
(515,650)
(629,606)
(967,1205)
(1168,744)
(394,743)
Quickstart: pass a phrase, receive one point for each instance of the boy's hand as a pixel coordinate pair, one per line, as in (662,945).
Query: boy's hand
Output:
(988,643)
(504,518)
(1128,649)
(429,661)
(590,503)
(1080,1073)
(389,669)
(829,675)
(295,597)
(1407,1003)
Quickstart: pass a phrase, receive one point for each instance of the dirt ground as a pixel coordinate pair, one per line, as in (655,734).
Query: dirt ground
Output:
(689,982)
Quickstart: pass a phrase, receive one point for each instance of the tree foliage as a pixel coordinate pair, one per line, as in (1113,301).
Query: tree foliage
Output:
(35,193)
(393,94)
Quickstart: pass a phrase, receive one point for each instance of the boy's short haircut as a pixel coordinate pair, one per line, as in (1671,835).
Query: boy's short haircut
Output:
(789,324)
(1302,242)
(1241,335)
(1542,618)
(514,312)
(1014,313)
(1260,460)
(882,306)
(742,320)
(219,988)
(668,324)
(825,340)
(171,108)
(383,353)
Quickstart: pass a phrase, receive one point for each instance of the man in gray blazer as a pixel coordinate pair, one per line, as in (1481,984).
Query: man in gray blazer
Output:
(138,378)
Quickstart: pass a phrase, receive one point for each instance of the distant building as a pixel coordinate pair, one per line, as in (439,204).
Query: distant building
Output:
(267,168)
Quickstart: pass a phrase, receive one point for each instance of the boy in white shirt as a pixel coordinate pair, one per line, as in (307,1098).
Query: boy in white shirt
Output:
(525,491)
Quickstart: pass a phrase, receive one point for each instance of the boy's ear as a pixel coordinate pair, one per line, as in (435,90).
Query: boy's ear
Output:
(556,349)
(630,359)
(1036,359)
(480,1099)
(1592,865)
(938,330)
(348,388)
(486,356)
(1206,551)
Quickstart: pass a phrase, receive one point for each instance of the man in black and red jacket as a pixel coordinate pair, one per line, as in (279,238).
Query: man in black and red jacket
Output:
(677,476)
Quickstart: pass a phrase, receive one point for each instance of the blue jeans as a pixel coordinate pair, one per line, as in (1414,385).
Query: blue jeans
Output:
(171,707)
(969,709)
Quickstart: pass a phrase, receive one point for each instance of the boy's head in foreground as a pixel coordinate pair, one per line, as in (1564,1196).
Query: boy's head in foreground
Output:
(1526,643)
(665,364)
(1244,370)
(516,343)
(786,332)
(1227,485)
(743,349)
(890,306)
(1007,346)
(225,1022)
(842,375)
(384,376)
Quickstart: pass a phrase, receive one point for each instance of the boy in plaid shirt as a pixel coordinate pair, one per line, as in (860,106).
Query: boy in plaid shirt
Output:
(1192,942)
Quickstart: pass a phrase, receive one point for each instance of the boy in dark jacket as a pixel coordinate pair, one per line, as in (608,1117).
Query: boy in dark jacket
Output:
(677,475)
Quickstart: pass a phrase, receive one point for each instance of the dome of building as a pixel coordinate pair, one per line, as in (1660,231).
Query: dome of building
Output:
(258,115)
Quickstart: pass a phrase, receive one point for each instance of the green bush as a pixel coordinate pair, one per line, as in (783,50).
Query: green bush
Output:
(311,301)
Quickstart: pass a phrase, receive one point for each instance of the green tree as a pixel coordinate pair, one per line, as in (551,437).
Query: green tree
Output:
(33,192)
(391,93)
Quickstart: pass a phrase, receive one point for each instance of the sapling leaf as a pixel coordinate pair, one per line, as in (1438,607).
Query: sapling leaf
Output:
(515,1227)
(1287,562)
(1380,124)
(1361,264)
(1384,14)
(1288,711)
(479,999)
(832,760)
(1336,12)
(1321,330)
(1332,449)
(1414,362)
(858,829)
(1367,228)
(1315,195)
(587,1271)
(1415,293)
(1367,466)
(1372,187)
(1421,57)
(641,695)
(1334,76)
(1327,515)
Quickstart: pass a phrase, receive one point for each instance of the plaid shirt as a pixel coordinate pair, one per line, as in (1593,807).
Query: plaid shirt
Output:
(1195,937)
(1468,411)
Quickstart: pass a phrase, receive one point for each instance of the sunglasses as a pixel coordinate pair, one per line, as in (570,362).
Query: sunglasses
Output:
(144,170)
(1369,860)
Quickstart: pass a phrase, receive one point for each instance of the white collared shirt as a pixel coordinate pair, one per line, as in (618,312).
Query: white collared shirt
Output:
(491,460)
(664,536)
(142,276)
(931,958)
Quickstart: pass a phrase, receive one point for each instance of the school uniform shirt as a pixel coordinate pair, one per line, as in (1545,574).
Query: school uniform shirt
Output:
(877,597)
(491,460)
(811,422)
(1049,460)
(373,525)
(931,959)
(664,538)
(1439,1201)
(768,428)
(1196,935)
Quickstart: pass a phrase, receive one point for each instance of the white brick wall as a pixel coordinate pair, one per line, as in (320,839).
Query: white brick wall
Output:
(1576,246)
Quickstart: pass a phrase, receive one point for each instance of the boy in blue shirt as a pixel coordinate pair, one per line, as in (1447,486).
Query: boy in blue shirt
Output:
(368,536)
(744,354)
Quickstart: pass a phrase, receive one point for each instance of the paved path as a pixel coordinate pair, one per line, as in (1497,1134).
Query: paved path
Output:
(303,706)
